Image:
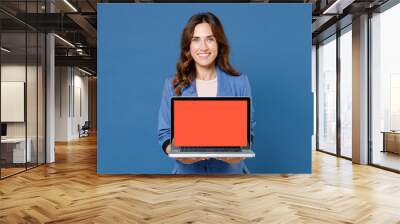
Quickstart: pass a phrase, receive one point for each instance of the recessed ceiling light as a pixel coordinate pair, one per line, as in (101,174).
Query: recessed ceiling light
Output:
(5,50)
(70,5)
(337,7)
(84,71)
(65,41)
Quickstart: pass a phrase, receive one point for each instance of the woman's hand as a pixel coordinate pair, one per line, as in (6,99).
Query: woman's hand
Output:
(190,160)
(232,160)
(185,160)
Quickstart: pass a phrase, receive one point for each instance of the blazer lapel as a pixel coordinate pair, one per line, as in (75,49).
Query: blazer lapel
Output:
(222,85)
(190,90)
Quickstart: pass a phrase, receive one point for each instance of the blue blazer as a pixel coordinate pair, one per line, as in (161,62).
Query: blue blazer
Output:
(227,85)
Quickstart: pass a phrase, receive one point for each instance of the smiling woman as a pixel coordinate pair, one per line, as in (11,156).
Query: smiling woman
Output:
(203,45)
(144,59)
(203,70)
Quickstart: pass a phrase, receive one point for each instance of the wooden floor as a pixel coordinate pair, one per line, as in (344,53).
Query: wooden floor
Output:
(386,159)
(70,191)
(5,172)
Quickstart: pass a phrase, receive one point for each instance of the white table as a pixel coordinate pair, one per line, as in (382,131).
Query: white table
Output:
(18,145)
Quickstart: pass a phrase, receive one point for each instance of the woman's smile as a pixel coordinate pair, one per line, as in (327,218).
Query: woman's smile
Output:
(204,55)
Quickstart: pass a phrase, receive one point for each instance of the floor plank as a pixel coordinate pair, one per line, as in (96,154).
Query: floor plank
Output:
(70,191)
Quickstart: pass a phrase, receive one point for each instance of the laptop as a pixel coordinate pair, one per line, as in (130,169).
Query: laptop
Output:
(210,127)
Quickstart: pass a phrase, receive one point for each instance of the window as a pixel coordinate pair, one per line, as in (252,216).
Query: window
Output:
(346,92)
(327,95)
(385,88)
(22,78)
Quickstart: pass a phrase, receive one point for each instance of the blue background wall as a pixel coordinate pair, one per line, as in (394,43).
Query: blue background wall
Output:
(138,47)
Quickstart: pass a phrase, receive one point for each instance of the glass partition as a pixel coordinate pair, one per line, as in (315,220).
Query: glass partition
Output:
(32,72)
(385,89)
(327,95)
(41,91)
(14,153)
(31,100)
(22,77)
(346,92)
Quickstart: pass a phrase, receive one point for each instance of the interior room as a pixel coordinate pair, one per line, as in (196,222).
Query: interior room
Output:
(51,123)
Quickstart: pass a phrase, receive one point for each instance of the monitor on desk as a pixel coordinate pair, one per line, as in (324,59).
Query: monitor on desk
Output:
(3,130)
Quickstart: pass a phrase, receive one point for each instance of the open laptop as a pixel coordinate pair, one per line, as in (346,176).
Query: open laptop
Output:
(210,127)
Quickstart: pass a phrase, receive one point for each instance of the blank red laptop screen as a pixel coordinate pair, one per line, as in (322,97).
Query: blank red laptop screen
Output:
(208,123)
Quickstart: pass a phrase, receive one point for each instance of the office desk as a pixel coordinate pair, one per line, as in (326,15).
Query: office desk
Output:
(13,150)
(391,141)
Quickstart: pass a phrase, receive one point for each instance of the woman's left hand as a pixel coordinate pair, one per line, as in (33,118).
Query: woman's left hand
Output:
(232,160)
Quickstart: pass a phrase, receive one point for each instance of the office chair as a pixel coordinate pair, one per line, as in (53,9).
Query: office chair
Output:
(84,130)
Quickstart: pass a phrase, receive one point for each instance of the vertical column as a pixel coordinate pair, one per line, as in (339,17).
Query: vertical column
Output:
(50,92)
(92,99)
(360,90)
(338,98)
(314,92)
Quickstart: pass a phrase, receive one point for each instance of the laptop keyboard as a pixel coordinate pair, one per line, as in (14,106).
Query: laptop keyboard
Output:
(199,149)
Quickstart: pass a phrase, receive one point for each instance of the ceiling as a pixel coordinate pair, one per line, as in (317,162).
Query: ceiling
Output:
(76,22)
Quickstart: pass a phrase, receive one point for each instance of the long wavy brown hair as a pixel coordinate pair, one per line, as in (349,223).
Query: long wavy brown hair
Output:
(185,68)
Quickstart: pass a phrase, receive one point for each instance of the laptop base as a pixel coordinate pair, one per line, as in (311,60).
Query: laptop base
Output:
(241,154)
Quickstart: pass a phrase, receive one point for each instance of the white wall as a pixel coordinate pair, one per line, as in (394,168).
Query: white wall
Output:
(71,102)
(314,92)
(62,81)
(33,127)
(12,73)
(16,72)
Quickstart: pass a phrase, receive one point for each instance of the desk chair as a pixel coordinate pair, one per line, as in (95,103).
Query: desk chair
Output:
(84,130)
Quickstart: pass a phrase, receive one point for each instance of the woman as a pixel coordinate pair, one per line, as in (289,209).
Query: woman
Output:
(203,70)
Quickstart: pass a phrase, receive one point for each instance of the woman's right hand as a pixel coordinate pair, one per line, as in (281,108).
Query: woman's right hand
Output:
(190,160)
(185,160)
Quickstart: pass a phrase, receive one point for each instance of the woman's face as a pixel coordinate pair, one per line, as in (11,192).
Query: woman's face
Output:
(203,47)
